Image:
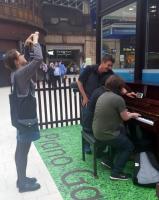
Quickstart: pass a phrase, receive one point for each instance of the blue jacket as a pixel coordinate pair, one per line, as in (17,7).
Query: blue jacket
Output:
(62,69)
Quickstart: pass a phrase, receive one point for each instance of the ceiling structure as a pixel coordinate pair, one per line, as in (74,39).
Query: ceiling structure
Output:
(77,4)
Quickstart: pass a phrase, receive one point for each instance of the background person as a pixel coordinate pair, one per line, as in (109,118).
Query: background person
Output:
(22,73)
(63,70)
(57,75)
(51,72)
(42,74)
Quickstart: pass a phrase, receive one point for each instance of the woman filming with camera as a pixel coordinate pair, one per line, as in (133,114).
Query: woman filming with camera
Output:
(23,107)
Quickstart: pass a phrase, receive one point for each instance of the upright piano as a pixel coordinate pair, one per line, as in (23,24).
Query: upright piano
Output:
(148,107)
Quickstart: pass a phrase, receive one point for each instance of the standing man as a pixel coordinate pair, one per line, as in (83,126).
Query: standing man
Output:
(90,79)
(93,77)
(22,73)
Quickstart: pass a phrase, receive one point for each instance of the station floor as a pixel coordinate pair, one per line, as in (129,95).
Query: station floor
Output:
(36,167)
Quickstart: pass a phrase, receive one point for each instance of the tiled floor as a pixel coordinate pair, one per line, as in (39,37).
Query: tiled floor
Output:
(35,168)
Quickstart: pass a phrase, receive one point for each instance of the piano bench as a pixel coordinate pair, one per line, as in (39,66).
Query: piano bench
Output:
(86,137)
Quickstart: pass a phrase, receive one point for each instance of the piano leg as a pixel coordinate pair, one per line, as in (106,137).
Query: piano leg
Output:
(135,133)
(157,190)
(156,146)
(142,139)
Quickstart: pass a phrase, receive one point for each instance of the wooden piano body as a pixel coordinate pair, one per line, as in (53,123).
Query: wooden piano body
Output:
(148,107)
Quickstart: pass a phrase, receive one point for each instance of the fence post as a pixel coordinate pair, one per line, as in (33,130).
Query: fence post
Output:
(53,101)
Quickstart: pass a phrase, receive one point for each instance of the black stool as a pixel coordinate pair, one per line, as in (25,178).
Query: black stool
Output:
(95,144)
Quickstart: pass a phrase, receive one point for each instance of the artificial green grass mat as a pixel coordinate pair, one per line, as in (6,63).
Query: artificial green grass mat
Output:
(60,149)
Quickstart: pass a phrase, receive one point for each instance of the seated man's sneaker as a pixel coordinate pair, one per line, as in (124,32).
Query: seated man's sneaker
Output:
(28,180)
(28,187)
(107,163)
(121,176)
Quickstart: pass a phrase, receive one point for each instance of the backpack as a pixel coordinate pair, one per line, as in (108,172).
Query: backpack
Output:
(146,172)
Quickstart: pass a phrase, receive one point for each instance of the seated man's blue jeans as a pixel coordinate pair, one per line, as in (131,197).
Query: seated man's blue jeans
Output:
(124,148)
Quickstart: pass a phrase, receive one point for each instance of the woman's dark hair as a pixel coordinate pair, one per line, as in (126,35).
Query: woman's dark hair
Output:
(108,57)
(9,59)
(115,84)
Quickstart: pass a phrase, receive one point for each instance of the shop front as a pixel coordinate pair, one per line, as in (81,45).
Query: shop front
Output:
(127,29)
(70,55)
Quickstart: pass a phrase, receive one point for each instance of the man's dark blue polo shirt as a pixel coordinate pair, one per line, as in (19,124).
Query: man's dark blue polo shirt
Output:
(92,79)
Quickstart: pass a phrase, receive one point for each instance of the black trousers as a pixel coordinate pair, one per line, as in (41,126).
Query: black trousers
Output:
(57,79)
(21,155)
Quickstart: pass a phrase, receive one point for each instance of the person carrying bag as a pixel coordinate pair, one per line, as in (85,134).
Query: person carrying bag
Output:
(23,107)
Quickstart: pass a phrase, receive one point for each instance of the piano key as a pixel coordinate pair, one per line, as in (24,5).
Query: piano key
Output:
(146,121)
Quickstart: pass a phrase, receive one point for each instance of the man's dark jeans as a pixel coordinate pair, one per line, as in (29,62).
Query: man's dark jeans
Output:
(87,119)
(124,148)
(85,125)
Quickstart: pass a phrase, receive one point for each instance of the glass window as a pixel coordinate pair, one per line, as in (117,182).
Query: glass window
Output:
(152,55)
(118,36)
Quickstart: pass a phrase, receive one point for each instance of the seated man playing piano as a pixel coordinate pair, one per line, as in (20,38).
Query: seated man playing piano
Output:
(90,113)
(108,126)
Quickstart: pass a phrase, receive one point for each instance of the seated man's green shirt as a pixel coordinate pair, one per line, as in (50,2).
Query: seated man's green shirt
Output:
(107,120)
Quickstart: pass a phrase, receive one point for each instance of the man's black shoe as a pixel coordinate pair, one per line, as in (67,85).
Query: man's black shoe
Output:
(107,163)
(27,180)
(122,176)
(100,154)
(88,151)
(26,187)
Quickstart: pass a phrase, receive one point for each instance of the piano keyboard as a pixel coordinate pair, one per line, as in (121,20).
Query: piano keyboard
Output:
(146,121)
